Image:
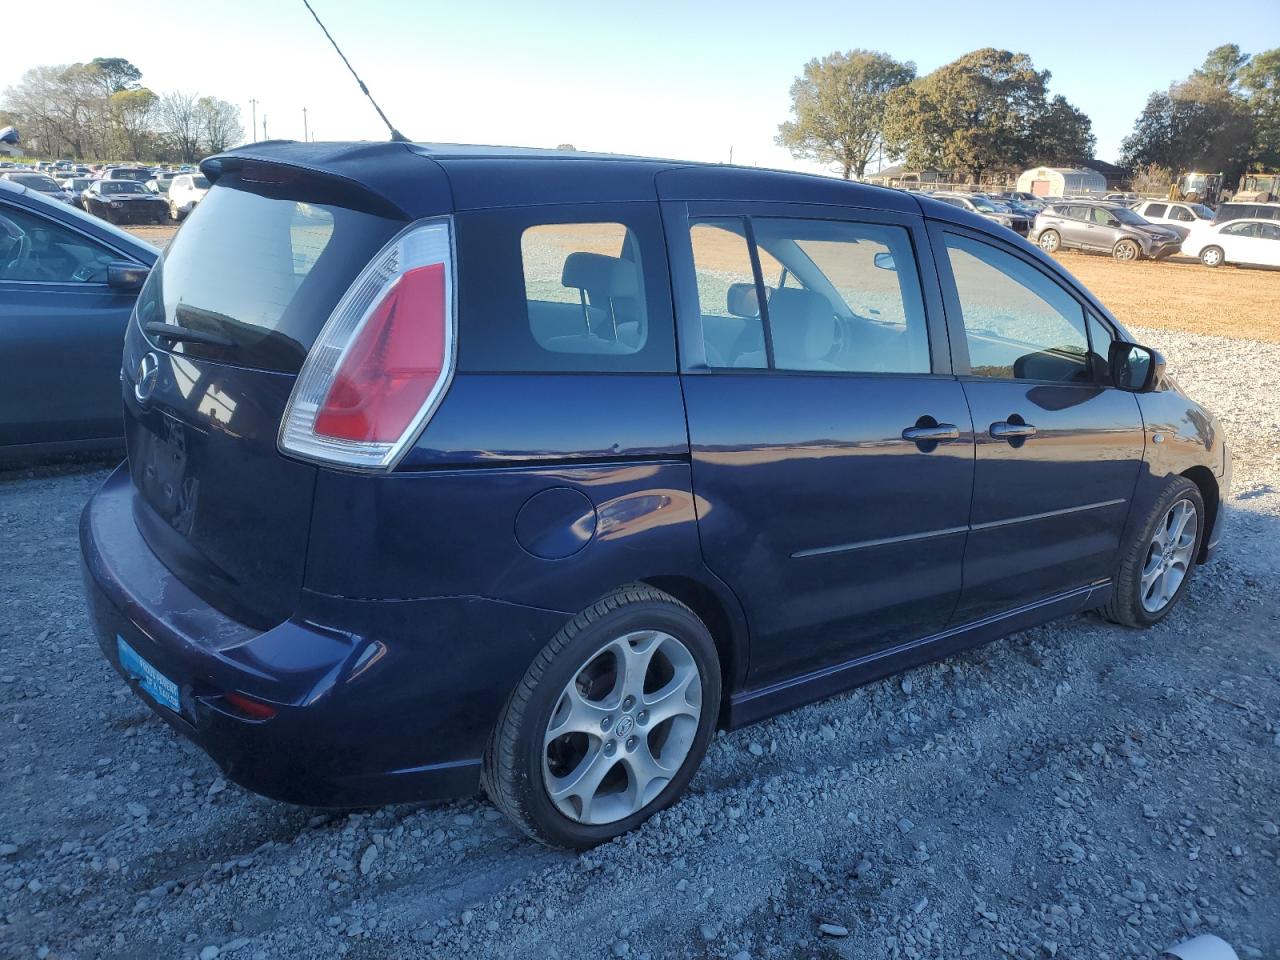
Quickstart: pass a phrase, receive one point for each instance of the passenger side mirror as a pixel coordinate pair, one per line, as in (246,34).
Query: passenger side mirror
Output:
(743,301)
(125,276)
(884,260)
(1136,368)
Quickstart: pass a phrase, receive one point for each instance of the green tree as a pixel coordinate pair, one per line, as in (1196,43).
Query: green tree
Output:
(1202,123)
(132,114)
(985,111)
(838,106)
(1260,84)
(219,122)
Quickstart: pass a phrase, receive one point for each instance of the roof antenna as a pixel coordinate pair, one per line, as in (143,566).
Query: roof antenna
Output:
(396,135)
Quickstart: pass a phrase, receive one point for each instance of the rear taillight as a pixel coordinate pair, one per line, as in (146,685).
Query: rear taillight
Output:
(383,360)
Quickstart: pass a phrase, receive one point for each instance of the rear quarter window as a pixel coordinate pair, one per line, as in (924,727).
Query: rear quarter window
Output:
(578,288)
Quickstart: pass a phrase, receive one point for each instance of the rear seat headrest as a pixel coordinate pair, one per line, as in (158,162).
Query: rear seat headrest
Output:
(600,275)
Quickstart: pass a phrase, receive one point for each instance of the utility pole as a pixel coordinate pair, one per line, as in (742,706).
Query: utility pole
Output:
(304,125)
(264,127)
(253,105)
(731,154)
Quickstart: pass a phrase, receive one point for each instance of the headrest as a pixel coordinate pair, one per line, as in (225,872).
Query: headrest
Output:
(803,324)
(743,301)
(600,275)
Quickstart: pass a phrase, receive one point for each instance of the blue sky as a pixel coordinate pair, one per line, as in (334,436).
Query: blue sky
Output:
(686,80)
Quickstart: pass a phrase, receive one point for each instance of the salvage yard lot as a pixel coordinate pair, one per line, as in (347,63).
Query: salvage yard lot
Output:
(1076,791)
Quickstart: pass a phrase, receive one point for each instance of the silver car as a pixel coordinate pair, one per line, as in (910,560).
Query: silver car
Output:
(1100,226)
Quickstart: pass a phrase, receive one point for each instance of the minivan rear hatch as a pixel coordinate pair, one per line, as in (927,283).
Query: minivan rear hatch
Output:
(221,330)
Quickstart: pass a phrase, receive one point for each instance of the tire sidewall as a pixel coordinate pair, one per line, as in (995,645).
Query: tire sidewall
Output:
(1126,245)
(1215,263)
(1178,488)
(645,615)
(1056,245)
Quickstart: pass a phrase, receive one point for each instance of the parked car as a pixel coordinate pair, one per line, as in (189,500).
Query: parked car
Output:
(160,185)
(125,201)
(1123,198)
(982,205)
(136,174)
(186,190)
(39,182)
(68,283)
(1177,216)
(1246,211)
(1095,225)
(427,498)
(76,186)
(1248,242)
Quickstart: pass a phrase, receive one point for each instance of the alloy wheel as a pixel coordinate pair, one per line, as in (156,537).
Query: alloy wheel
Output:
(622,727)
(1126,250)
(1169,556)
(1049,242)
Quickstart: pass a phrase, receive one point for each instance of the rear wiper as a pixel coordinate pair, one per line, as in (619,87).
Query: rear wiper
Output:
(174,333)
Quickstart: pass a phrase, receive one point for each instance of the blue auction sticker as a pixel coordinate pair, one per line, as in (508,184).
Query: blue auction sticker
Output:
(161,689)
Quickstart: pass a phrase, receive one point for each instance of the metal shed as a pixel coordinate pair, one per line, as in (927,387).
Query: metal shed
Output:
(1061,181)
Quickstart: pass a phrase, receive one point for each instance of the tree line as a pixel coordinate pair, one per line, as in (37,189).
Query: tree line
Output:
(991,110)
(100,110)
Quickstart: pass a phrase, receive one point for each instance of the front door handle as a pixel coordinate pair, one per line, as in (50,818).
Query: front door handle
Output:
(932,434)
(1006,430)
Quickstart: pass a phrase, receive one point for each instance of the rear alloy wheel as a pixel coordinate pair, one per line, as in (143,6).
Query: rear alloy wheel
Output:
(1211,256)
(1157,565)
(609,723)
(1050,241)
(1126,250)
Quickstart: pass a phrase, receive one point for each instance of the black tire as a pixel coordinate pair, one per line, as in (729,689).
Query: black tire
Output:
(1126,251)
(1212,257)
(512,774)
(1126,606)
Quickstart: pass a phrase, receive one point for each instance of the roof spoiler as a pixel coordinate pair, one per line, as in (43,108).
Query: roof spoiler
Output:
(273,172)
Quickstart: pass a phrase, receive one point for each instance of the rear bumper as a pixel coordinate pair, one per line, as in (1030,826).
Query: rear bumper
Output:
(377,701)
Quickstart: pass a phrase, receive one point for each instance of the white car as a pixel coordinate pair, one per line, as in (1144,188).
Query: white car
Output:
(1255,242)
(1179,215)
(185,191)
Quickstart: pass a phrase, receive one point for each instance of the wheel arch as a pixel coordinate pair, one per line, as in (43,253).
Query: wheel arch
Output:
(725,623)
(1207,484)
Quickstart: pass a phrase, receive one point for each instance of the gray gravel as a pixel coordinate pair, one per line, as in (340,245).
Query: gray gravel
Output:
(1078,790)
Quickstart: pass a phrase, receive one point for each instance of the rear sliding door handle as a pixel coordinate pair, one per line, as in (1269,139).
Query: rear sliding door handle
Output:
(939,431)
(1006,430)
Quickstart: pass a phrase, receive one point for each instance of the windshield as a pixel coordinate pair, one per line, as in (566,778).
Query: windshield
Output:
(201,182)
(36,182)
(142,176)
(121,186)
(982,203)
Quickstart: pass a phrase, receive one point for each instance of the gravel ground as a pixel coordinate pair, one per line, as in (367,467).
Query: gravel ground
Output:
(1078,790)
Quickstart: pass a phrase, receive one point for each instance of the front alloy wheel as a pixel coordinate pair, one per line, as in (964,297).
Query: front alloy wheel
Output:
(1126,250)
(1050,241)
(1169,555)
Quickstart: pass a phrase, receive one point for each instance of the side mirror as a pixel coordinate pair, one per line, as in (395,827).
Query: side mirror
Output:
(743,301)
(125,276)
(1136,368)
(884,260)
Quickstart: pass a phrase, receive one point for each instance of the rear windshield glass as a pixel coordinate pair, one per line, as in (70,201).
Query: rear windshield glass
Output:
(261,273)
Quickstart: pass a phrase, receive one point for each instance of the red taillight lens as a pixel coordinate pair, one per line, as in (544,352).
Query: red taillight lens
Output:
(390,370)
(254,709)
(382,361)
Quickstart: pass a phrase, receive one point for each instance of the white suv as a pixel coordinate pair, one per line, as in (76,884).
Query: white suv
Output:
(1179,216)
(185,192)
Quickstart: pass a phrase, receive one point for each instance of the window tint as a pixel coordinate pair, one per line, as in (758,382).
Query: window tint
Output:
(34,248)
(1180,213)
(291,260)
(1100,338)
(732,330)
(1268,231)
(1155,210)
(1103,216)
(1019,324)
(573,287)
(1240,230)
(584,288)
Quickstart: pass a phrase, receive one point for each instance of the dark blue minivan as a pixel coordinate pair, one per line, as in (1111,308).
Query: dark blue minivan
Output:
(453,467)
